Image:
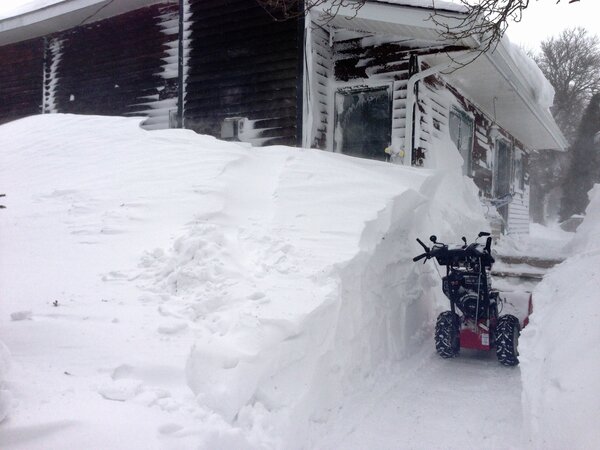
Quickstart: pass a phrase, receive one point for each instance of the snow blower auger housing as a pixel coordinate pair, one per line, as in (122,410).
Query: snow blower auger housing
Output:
(473,320)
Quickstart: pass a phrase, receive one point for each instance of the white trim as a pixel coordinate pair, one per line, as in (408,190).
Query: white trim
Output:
(307,64)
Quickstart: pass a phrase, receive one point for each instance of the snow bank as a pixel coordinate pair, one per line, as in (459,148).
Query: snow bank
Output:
(325,291)
(549,242)
(560,362)
(266,282)
(587,237)
(5,396)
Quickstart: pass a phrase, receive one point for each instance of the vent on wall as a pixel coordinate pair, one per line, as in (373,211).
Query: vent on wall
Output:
(232,128)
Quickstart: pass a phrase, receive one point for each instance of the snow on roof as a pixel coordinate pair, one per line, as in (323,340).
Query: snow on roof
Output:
(429,4)
(12,10)
(542,90)
(40,17)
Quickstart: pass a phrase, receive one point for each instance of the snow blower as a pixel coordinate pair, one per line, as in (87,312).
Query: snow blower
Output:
(473,320)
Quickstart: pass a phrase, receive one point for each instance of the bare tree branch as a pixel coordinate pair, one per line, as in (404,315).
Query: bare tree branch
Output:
(291,9)
(484,20)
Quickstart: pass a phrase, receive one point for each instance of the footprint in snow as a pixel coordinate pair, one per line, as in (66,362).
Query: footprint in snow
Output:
(120,390)
(172,328)
(21,315)
(257,296)
(169,428)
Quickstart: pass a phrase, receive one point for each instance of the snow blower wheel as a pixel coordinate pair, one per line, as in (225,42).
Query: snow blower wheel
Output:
(447,341)
(507,340)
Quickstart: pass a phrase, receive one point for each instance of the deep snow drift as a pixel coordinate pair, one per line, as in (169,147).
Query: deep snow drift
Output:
(165,289)
(561,347)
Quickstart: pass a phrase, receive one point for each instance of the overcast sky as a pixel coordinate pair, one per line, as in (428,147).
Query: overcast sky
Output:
(541,20)
(545,18)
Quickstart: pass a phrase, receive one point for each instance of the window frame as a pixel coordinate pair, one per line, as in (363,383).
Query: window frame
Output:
(464,118)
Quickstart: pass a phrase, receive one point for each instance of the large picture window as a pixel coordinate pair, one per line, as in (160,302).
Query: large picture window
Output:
(363,122)
(461,133)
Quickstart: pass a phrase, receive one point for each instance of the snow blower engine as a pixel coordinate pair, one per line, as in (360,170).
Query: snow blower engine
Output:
(473,320)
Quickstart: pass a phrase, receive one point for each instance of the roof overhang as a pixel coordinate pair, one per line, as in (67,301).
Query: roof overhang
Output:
(495,84)
(493,80)
(63,15)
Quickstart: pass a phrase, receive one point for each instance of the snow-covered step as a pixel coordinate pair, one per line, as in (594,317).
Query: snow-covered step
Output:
(542,263)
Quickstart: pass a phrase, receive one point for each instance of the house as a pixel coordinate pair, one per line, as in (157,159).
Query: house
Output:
(379,82)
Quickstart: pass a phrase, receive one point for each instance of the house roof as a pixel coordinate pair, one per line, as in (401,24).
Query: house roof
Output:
(498,82)
(41,17)
(506,85)
(441,5)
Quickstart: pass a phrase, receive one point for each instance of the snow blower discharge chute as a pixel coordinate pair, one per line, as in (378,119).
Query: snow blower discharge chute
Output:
(473,321)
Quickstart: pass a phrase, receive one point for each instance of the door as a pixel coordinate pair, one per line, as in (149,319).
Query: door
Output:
(363,124)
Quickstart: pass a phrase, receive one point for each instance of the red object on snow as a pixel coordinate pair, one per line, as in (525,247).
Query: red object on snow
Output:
(529,311)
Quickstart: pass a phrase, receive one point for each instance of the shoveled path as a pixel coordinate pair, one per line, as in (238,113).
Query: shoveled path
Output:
(427,402)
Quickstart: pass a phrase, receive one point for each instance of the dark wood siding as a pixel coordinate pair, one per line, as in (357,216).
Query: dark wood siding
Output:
(242,63)
(115,66)
(21,72)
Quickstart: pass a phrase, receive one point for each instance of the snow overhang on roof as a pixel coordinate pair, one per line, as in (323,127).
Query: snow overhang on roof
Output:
(52,16)
(507,91)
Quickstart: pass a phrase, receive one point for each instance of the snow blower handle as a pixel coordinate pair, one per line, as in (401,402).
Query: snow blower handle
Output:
(420,257)
(427,249)
(423,255)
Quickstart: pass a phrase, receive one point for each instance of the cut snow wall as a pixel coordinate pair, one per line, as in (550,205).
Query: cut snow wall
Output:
(340,323)
(560,348)
(5,395)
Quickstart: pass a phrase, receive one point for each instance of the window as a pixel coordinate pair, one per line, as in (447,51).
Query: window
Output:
(461,133)
(519,171)
(363,121)
(503,163)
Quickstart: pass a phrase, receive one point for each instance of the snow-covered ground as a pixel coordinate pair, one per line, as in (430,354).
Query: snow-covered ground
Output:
(168,290)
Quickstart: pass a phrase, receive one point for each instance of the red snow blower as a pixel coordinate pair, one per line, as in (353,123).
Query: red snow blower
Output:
(473,320)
